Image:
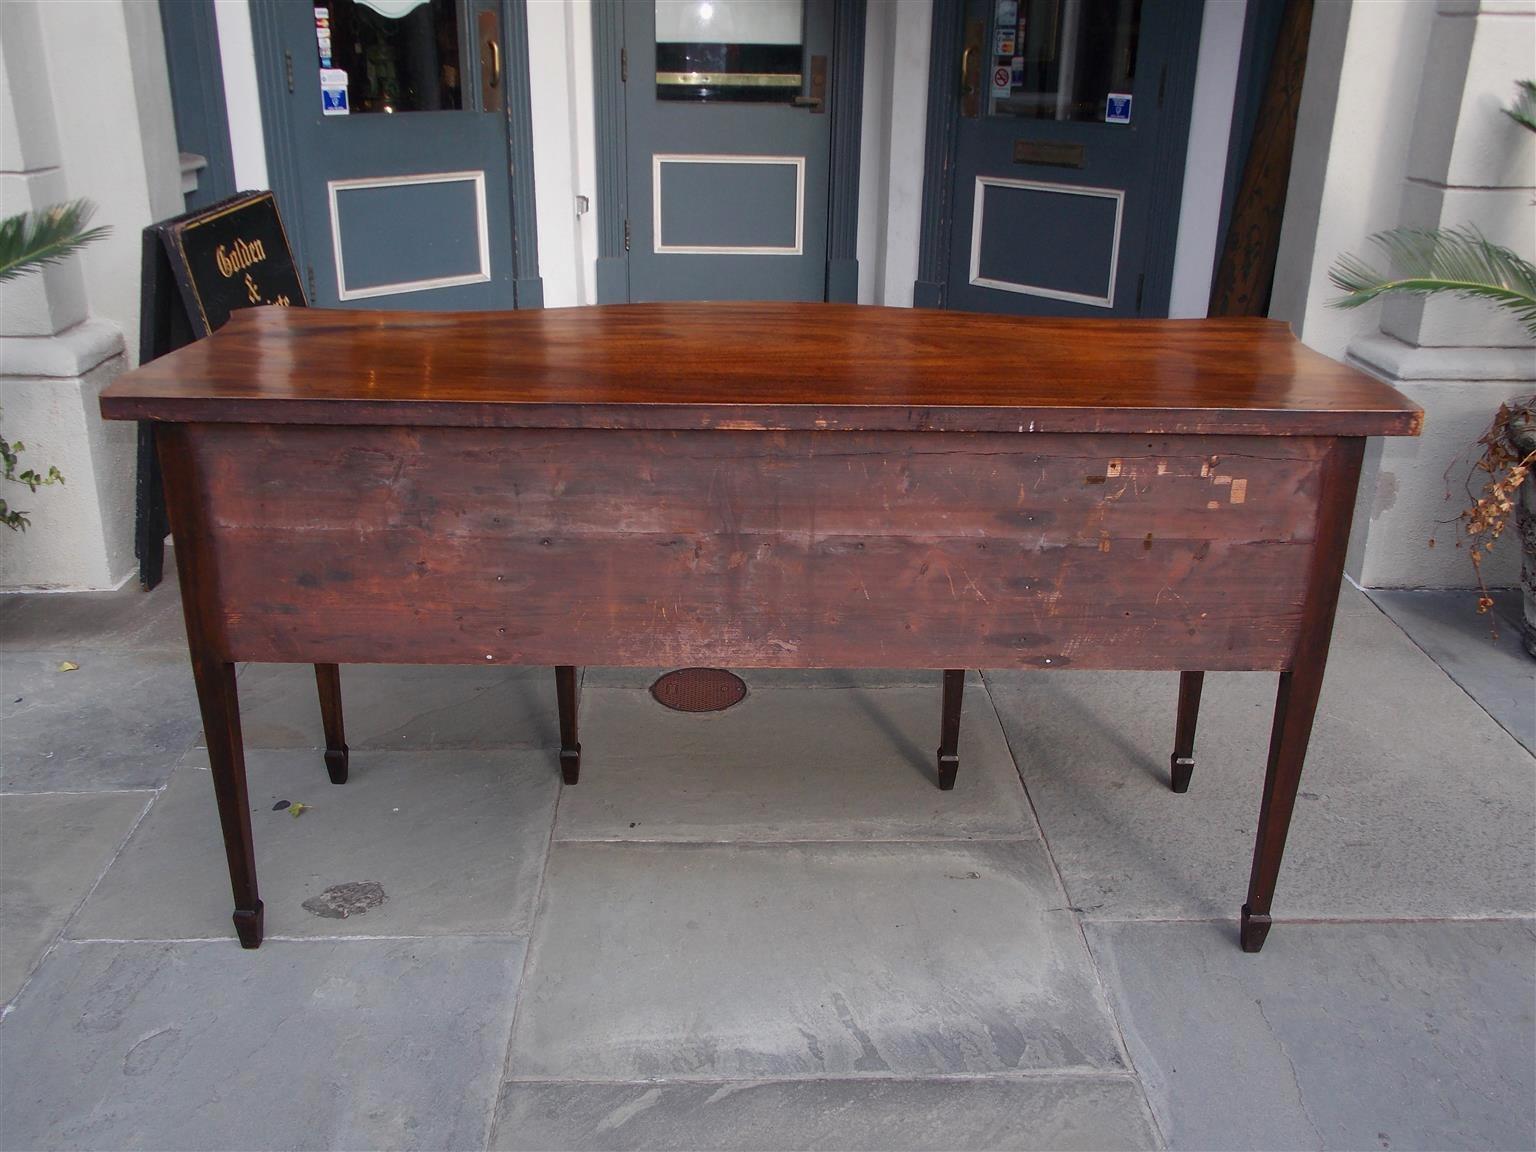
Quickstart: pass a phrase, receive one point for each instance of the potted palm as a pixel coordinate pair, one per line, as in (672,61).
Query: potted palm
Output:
(1501,481)
(28,242)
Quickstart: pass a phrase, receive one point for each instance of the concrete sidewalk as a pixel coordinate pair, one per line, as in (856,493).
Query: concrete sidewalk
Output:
(763,928)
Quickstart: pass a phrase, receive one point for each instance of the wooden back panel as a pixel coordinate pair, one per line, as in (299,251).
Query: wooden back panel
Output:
(752,549)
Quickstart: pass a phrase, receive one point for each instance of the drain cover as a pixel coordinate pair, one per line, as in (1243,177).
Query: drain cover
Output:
(699,689)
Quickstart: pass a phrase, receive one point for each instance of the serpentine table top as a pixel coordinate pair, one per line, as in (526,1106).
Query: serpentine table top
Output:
(761,367)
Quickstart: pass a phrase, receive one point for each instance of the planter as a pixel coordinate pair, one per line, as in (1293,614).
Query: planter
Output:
(1523,434)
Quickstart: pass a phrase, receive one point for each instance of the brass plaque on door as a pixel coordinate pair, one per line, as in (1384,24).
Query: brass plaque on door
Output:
(1056,153)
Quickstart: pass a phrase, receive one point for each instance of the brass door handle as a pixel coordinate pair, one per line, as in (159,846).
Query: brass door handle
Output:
(495,48)
(816,99)
(970,69)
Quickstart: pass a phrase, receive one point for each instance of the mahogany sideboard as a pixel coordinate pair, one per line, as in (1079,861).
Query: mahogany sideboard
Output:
(759,485)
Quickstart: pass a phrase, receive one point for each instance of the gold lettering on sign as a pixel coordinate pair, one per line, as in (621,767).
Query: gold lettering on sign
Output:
(239,256)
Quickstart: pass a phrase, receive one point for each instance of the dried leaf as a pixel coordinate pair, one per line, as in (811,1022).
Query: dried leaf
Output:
(69,666)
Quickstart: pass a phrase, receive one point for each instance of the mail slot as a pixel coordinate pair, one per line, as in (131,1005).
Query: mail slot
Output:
(1056,153)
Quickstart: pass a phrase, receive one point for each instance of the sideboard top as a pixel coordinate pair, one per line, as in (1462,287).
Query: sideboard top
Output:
(760,366)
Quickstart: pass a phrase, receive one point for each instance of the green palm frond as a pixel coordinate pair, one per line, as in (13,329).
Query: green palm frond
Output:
(34,239)
(1524,109)
(1432,261)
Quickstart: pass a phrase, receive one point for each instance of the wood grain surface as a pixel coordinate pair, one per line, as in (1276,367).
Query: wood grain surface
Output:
(773,549)
(760,367)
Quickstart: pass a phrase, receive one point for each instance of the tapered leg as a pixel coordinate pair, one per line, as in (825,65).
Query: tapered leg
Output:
(1295,706)
(1300,684)
(226,761)
(570,749)
(949,727)
(213,675)
(1182,763)
(328,679)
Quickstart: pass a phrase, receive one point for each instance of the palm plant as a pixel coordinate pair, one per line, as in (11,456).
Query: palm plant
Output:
(1524,109)
(1461,262)
(27,242)
(1444,261)
(35,239)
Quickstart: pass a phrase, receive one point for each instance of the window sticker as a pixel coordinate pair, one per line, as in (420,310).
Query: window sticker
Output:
(333,92)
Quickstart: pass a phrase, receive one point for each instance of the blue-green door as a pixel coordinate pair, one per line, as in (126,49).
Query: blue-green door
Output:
(397,138)
(1068,141)
(727,148)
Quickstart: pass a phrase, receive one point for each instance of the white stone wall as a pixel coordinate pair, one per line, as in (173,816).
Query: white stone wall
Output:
(891,149)
(85,111)
(81,534)
(1401,125)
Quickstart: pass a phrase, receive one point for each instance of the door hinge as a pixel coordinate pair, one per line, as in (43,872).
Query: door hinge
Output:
(310,268)
(623,65)
(626,235)
(288,68)
(1162,85)
(1141,283)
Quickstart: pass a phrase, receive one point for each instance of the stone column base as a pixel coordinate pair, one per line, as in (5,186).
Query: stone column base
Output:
(1418,485)
(81,536)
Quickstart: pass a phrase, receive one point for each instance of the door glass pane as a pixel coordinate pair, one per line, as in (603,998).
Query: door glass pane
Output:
(743,50)
(1063,59)
(388,56)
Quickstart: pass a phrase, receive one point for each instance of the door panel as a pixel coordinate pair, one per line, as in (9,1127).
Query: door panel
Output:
(1049,241)
(1057,150)
(728,146)
(400,147)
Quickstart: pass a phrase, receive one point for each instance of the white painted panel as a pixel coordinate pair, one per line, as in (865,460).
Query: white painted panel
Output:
(1205,164)
(242,99)
(557,109)
(477,178)
(978,217)
(663,248)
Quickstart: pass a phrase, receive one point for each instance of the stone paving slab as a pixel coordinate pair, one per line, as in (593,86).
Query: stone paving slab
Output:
(852,764)
(320,1044)
(1483,654)
(1348,1036)
(455,840)
(988,1115)
(121,720)
(402,708)
(52,849)
(1413,802)
(768,961)
(126,620)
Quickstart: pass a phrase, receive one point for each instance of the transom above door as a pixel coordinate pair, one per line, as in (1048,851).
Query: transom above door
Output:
(727,148)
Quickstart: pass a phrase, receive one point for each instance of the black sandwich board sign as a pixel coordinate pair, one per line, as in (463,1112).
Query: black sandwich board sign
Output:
(197,269)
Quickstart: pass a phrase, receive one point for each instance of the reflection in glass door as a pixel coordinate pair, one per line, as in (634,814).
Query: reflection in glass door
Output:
(397,116)
(1063,59)
(392,55)
(718,50)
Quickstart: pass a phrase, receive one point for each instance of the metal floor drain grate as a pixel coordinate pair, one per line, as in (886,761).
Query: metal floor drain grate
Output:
(699,690)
